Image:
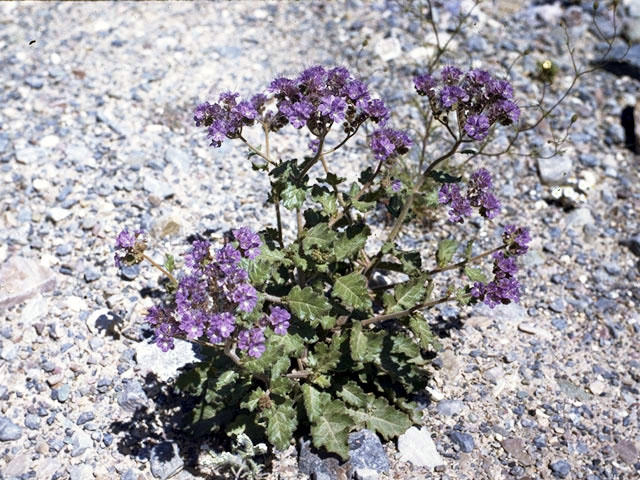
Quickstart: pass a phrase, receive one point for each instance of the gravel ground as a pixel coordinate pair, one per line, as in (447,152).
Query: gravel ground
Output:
(95,135)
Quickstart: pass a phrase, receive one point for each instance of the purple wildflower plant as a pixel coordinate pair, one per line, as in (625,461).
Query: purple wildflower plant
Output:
(477,126)
(129,248)
(478,195)
(396,185)
(279,320)
(387,144)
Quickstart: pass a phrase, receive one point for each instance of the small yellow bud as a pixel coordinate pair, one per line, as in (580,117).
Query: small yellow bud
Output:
(546,65)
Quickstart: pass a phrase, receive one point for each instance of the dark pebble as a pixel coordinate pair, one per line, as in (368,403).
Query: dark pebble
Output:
(85,417)
(107,439)
(560,468)
(130,272)
(463,440)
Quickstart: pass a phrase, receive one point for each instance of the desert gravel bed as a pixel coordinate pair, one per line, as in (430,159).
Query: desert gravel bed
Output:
(96,135)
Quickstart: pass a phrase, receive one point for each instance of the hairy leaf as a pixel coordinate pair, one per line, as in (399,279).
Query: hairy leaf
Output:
(409,294)
(475,274)
(352,290)
(349,243)
(446,249)
(315,401)
(281,424)
(251,403)
(358,342)
(421,330)
(382,418)
(325,198)
(307,304)
(320,236)
(405,345)
(293,197)
(352,394)
(331,429)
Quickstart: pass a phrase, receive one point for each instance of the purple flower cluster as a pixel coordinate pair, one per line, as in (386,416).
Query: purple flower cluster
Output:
(504,288)
(478,99)
(316,98)
(387,144)
(129,248)
(213,293)
(479,195)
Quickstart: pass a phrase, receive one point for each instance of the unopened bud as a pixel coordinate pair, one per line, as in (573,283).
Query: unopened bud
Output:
(574,118)
(596,4)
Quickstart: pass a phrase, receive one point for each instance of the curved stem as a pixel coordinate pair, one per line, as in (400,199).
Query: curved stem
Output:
(258,152)
(404,313)
(464,262)
(161,268)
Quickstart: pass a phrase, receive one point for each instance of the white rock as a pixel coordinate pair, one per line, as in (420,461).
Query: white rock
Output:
(533,330)
(164,365)
(34,309)
(75,304)
(388,49)
(366,474)
(57,214)
(49,141)
(597,387)
(22,278)
(40,184)
(579,218)
(417,447)
(554,170)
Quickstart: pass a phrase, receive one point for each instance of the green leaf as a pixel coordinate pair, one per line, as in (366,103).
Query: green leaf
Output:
(259,272)
(411,262)
(349,243)
(331,429)
(307,304)
(366,175)
(281,366)
(323,381)
(320,236)
(358,343)
(468,151)
(315,401)
(383,418)
(352,290)
(468,249)
(475,274)
(446,249)
(251,403)
(282,386)
(463,296)
(409,294)
(362,206)
(423,333)
(226,378)
(325,198)
(432,198)
(169,263)
(332,179)
(352,394)
(281,423)
(293,197)
(395,206)
(405,345)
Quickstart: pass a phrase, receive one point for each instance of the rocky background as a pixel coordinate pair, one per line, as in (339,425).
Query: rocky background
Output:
(96,135)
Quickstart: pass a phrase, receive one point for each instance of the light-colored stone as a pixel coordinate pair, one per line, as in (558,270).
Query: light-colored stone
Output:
(81,472)
(22,278)
(57,214)
(579,218)
(597,387)
(554,170)
(527,327)
(417,446)
(18,465)
(164,365)
(388,49)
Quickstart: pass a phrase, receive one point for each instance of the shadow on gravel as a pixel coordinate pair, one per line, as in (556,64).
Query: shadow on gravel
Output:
(154,428)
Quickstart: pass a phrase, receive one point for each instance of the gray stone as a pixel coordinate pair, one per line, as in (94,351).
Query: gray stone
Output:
(85,417)
(78,153)
(32,421)
(560,468)
(164,365)
(19,465)
(449,407)
(517,449)
(366,452)
(130,272)
(627,451)
(158,188)
(366,474)
(22,278)
(493,374)
(320,465)
(81,472)
(165,460)
(417,446)
(179,158)
(8,430)
(30,155)
(463,440)
(572,391)
(34,82)
(554,170)
(579,218)
(132,396)
(80,442)
(91,274)
(63,393)
(615,134)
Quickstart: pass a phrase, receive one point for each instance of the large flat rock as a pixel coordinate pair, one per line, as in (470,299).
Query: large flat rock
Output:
(22,278)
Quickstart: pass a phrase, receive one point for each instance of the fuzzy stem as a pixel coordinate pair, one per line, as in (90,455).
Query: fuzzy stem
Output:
(403,313)
(161,268)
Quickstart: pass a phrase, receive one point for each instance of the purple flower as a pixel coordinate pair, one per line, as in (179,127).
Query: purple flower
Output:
(396,185)
(297,113)
(450,74)
(504,265)
(228,254)
(245,296)
(199,251)
(258,101)
(336,78)
(252,341)
(489,205)
(377,111)
(314,144)
(517,239)
(246,110)
(333,107)
(451,95)
(500,88)
(356,91)
(449,194)
(133,248)
(386,143)
(509,112)
(125,240)
(228,98)
(478,77)
(425,84)
(249,242)
(477,126)
(314,79)
(279,319)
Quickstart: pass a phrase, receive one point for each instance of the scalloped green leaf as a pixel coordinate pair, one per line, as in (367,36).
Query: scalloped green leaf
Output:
(353,395)
(475,274)
(331,429)
(281,386)
(446,249)
(281,423)
(315,401)
(409,294)
(358,343)
(293,197)
(251,403)
(349,243)
(405,345)
(382,418)
(259,272)
(327,199)
(307,304)
(422,331)
(352,290)
(319,236)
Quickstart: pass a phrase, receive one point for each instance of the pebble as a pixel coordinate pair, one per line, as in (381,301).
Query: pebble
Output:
(91,274)
(555,170)
(81,472)
(366,452)
(597,387)
(165,460)
(9,431)
(63,393)
(85,417)
(80,442)
(516,447)
(132,397)
(627,451)
(57,214)
(560,468)
(417,446)
(32,421)
(34,82)
(23,278)
(463,440)
(449,407)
